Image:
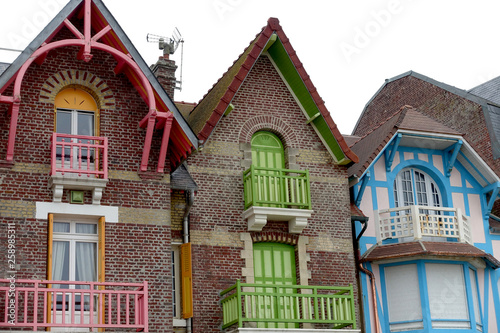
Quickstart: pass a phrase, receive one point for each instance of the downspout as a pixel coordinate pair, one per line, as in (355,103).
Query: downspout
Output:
(189,201)
(370,274)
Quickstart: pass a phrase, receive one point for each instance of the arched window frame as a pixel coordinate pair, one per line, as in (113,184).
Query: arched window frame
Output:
(76,101)
(412,186)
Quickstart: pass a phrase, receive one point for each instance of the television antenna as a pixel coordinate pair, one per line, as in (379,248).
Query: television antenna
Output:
(169,45)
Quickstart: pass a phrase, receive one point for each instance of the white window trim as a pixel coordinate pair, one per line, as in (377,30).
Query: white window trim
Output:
(66,210)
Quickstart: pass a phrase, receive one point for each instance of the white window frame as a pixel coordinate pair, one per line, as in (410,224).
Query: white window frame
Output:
(431,189)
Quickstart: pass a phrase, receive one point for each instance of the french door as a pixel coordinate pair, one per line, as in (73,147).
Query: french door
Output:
(274,263)
(267,153)
(74,258)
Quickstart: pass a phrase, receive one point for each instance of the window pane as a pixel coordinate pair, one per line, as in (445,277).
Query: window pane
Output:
(61,227)
(83,228)
(403,296)
(447,296)
(85,262)
(85,123)
(60,262)
(63,122)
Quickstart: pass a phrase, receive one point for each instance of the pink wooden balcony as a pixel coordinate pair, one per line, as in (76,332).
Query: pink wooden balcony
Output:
(73,304)
(79,155)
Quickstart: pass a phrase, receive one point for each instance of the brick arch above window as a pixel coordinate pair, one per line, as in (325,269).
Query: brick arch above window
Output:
(268,123)
(84,80)
(275,237)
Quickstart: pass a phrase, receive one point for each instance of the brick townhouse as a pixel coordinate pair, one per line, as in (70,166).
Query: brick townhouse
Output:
(130,212)
(88,140)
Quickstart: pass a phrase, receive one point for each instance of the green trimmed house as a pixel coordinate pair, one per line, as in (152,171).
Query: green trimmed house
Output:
(270,227)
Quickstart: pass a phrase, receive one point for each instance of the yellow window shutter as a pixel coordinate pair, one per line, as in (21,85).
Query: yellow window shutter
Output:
(186,281)
(101,249)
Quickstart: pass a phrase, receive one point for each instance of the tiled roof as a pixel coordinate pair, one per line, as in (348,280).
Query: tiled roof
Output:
(437,249)
(211,108)
(357,213)
(368,147)
(185,108)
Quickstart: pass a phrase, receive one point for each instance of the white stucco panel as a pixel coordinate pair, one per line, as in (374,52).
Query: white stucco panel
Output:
(455,178)
(437,161)
(476,218)
(379,170)
(366,207)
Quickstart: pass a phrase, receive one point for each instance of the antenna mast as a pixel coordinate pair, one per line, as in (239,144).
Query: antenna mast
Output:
(169,45)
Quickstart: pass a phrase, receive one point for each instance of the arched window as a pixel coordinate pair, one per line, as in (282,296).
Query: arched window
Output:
(414,187)
(267,151)
(75,112)
(75,116)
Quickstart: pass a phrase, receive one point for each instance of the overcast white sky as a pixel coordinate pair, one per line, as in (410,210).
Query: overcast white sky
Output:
(348,47)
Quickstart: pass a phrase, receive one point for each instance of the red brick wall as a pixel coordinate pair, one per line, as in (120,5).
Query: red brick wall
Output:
(219,201)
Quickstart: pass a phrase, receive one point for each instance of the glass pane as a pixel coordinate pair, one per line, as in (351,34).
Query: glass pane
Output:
(403,293)
(61,227)
(60,262)
(447,296)
(85,262)
(63,122)
(83,228)
(85,123)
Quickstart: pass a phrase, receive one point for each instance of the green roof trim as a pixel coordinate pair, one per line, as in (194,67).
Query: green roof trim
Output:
(290,74)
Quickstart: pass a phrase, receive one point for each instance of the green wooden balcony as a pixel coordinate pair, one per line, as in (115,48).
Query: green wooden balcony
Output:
(282,188)
(282,306)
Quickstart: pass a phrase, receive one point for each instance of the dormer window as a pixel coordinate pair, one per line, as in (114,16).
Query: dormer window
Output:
(414,187)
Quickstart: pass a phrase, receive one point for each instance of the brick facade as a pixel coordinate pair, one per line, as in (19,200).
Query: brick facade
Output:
(263,103)
(138,245)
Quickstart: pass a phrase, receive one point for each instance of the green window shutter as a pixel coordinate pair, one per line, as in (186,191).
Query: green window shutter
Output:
(274,263)
(267,151)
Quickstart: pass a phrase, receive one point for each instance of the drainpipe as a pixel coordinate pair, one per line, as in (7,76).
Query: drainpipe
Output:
(189,201)
(370,274)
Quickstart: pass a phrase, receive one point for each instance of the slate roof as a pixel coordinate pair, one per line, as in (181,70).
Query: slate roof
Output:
(181,179)
(3,67)
(489,90)
(368,147)
(419,248)
(206,115)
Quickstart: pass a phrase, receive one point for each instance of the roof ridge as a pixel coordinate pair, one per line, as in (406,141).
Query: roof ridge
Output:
(380,125)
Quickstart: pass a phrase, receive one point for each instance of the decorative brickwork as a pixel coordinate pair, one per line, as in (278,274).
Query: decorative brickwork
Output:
(275,237)
(271,124)
(87,81)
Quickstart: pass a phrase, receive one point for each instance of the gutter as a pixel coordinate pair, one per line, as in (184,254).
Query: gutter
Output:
(364,221)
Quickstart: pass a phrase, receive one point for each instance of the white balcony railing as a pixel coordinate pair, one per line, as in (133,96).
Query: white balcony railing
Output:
(411,223)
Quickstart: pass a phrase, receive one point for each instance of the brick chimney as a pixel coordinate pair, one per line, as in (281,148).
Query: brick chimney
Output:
(164,70)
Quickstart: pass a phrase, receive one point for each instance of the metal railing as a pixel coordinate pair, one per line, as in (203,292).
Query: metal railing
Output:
(271,303)
(415,222)
(269,187)
(79,154)
(73,304)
